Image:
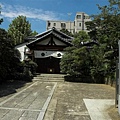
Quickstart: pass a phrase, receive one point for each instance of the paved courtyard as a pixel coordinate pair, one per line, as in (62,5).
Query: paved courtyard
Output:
(28,104)
(82,101)
(41,100)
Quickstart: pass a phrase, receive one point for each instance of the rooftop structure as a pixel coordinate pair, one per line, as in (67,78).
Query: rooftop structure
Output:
(72,26)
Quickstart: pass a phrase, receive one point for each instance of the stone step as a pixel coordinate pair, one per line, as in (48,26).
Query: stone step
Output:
(49,78)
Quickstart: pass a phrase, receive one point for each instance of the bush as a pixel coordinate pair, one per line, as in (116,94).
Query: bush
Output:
(33,67)
(23,77)
(28,63)
(86,79)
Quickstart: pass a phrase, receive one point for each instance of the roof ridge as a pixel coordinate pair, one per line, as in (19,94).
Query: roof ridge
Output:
(62,32)
(39,38)
(43,32)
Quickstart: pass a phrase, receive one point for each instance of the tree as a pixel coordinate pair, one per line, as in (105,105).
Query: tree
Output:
(66,32)
(105,29)
(97,61)
(75,61)
(19,29)
(98,67)
(67,61)
(1,20)
(9,58)
(84,59)
(34,33)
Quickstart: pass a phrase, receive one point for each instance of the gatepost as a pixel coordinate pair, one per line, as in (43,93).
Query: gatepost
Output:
(119,80)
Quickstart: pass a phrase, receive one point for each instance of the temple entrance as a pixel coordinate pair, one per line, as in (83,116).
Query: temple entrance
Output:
(47,50)
(48,65)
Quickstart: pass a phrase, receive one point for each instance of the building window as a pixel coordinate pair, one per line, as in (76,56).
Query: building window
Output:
(78,16)
(54,24)
(63,25)
(79,24)
(74,31)
(48,24)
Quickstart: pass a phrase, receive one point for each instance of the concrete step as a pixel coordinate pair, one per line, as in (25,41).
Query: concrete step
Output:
(49,78)
(52,75)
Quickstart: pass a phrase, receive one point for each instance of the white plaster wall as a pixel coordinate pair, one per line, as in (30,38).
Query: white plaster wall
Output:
(21,50)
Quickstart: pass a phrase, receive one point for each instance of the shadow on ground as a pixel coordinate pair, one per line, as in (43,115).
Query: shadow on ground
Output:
(113,113)
(83,79)
(10,87)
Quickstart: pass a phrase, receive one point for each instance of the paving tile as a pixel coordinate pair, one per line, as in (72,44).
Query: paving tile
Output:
(3,112)
(27,104)
(13,115)
(29,115)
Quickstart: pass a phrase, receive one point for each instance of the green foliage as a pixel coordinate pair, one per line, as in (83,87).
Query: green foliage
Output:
(8,59)
(34,33)
(80,38)
(67,61)
(1,20)
(105,29)
(66,32)
(30,65)
(19,29)
(98,66)
(76,59)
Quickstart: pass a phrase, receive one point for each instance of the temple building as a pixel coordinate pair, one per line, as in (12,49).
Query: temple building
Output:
(46,49)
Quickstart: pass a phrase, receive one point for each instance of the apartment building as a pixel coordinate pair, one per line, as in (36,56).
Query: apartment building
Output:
(72,26)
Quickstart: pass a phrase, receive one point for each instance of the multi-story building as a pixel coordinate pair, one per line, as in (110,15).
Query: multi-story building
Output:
(72,26)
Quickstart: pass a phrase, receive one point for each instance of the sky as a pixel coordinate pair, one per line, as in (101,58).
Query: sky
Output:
(39,11)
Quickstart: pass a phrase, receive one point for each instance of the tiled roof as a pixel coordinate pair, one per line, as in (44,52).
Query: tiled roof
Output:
(62,36)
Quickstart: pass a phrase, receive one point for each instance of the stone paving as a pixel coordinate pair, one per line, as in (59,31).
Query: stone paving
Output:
(42,100)
(68,101)
(28,103)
